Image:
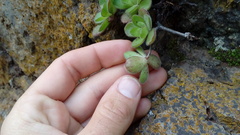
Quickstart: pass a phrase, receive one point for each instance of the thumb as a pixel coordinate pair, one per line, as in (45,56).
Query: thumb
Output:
(116,110)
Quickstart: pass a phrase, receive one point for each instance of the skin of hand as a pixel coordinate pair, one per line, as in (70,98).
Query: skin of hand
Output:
(105,104)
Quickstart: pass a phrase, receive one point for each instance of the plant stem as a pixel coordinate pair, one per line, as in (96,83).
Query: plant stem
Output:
(187,35)
(149,52)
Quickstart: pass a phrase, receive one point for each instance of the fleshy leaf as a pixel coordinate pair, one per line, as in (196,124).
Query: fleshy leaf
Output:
(154,61)
(135,2)
(104,25)
(112,9)
(144,32)
(99,19)
(146,4)
(101,3)
(127,2)
(148,21)
(105,10)
(142,12)
(137,42)
(132,10)
(135,64)
(151,37)
(141,51)
(141,24)
(120,5)
(129,54)
(128,27)
(135,32)
(125,18)
(136,19)
(144,75)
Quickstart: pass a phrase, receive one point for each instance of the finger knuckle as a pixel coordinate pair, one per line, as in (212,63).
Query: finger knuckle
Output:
(116,111)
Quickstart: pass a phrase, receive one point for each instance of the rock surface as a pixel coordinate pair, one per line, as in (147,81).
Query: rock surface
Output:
(202,94)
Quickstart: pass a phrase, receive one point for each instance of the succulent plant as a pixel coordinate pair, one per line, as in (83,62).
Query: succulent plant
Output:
(104,17)
(131,7)
(140,28)
(109,8)
(138,62)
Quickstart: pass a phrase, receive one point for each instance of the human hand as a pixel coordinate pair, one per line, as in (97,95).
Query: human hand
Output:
(55,104)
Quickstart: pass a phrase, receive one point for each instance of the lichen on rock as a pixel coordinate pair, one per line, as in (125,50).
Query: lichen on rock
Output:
(196,100)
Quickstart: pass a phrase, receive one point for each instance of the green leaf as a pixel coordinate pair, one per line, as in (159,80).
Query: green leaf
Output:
(141,24)
(127,2)
(128,27)
(99,19)
(129,54)
(137,42)
(154,61)
(136,19)
(135,64)
(151,37)
(120,4)
(144,75)
(101,3)
(135,2)
(144,32)
(135,31)
(146,4)
(105,10)
(104,25)
(141,51)
(132,10)
(112,9)
(148,21)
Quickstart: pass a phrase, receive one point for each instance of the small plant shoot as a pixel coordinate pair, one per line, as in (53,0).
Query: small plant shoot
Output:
(138,62)
(139,26)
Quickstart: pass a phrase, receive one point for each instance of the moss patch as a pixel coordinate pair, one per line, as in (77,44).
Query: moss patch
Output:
(232,57)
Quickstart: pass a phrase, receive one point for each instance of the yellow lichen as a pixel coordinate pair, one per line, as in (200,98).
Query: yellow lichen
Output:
(55,29)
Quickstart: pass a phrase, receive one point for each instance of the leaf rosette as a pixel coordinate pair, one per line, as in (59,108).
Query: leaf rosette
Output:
(103,17)
(140,28)
(138,62)
(131,7)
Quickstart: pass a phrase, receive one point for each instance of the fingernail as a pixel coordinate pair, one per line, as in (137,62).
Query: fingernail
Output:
(129,87)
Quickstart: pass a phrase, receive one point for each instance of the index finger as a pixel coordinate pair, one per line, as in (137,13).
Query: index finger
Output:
(60,78)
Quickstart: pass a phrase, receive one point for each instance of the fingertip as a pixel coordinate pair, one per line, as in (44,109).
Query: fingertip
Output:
(142,109)
(117,108)
(156,80)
